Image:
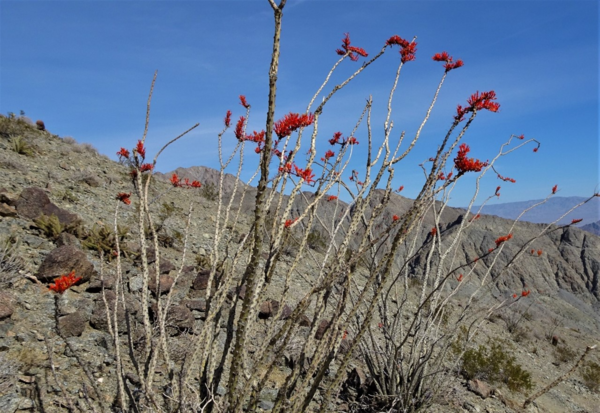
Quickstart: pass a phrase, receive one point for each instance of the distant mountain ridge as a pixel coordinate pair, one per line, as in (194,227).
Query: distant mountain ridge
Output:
(551,210)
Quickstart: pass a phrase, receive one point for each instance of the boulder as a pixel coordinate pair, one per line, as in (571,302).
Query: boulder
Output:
(62,261)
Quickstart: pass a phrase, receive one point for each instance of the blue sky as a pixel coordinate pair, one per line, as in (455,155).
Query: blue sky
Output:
(85,67)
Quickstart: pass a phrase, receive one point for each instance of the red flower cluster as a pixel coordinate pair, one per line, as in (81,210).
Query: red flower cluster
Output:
(502,239)
(123,154)
(395,218)
(291,122)
(289,222)
(554,188)
(478,101)
(450,64)
(525,293)
(433,231)
(227,119)
(124,197)
(340,140)
(328,154)
(443,177)
(178,183)
(353,52)
(400,189)
(459,278)
(239,128)
(243,101)
(464,164)
(407,49)
(64,282)
(575,221)
(305,174)
(497,192)
(146,167)
(139,148)
(332,198)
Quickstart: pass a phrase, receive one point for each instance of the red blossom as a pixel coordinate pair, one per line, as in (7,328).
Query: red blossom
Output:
(502,239)
(395,218)
(352,140)
(243,101)
(289,222)
(352,51)
(497,191)
(460,113)
(305,174)
(476,217)
(506,178)
(336,138)
(554,188)
(397,40)
(407,49)
(536,149)
(64,282)
(442,57)
(453,65)
(532,252)
(175,181)
(146,167)
(459,278)
(123,153)
(291,122)
(539,253)
(287,168)
(239,128)
(400,189)
(514,295)
(124,197)
(227,119)
(332,198)
(483,100)
(257,137)
(140,149)
(328,154)
(575,221)
(464,164)
(525,293)
(433,231)
(521,137)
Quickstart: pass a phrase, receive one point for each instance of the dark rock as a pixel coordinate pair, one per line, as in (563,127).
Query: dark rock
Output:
(198,305)
(201,280)
(268,309)
(63,260)
(7,305)
(304,321)
(179,319)
(40,125)
(555,340)
(322,329)
(91,180)
(166,266)
(240,291)
(33,203)
(165,282)
(96,283)
(72,325)
(98,318)
(64,238)
(286,312)
(480,388)
(7,211)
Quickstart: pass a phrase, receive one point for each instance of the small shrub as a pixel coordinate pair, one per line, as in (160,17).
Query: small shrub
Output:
(70,140)
(102,239)
(19,145)
(50,226)
(315,241)
(10,262)
(591,376)
(69,196)
(564,354)
(209,191)
(494,364)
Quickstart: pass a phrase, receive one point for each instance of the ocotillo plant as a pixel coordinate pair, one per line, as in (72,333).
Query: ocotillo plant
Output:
(356,302)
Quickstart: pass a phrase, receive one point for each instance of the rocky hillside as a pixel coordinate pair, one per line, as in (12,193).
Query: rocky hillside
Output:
(57,206)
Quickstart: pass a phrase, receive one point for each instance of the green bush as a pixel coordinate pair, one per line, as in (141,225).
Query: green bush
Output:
(209,191)
(50,226)
(591,376)
(494,364)
(19,145)
(564,354)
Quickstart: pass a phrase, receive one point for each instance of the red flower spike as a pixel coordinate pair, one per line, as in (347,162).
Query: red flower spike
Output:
(146,167)
(502,239)
(352,51)
(291,122)
(332,198)
(328,154)
(352,140)
(196,184)
(442,57)
(175,181)
(336,138)
(227,119)
(64,282)
(243,101)
(124,197)
(433,232)
(123,153)
(140,149)
(525,293)
(460,278)
(451,66)
(554,188)
(397,40)
(395,218)
(239,128)
(521,137)
(400,189)
(497,191)
(464,164)
(575,221)
(289,222)
(514,295)
(539,252)
(535,149)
